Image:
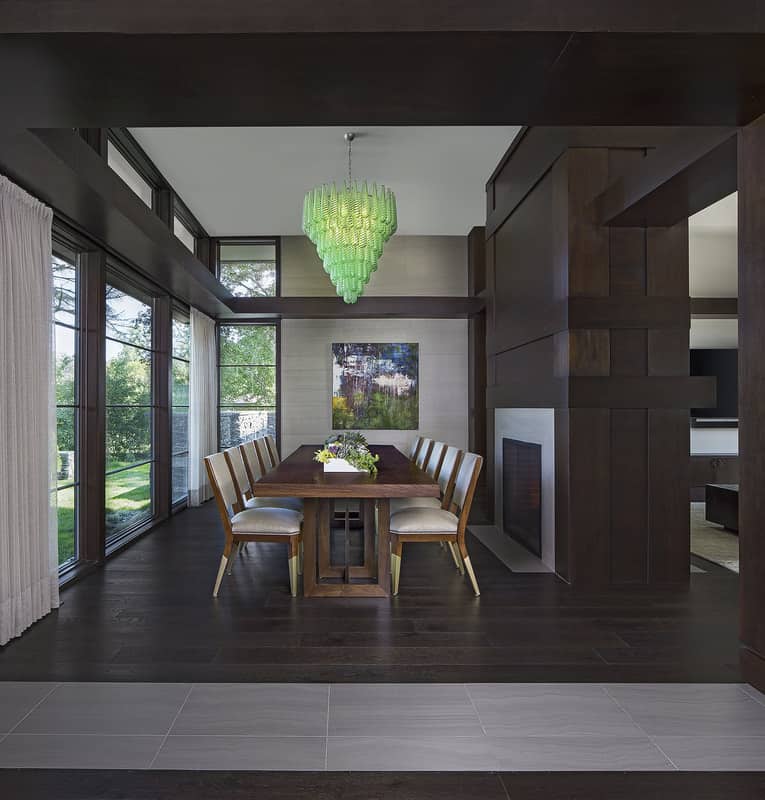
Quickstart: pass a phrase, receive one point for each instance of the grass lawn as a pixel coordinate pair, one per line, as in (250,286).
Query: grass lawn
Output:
(128,498)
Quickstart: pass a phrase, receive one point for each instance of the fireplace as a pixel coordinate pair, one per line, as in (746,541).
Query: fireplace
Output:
(522,493)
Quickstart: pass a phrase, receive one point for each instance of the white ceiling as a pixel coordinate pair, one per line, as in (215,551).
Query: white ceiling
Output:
(251,181)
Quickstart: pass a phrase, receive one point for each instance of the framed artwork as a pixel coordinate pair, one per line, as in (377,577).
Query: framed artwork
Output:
(375,386)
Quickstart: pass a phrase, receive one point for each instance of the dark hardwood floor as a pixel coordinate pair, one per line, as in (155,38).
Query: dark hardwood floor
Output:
(149,616)
(149,785)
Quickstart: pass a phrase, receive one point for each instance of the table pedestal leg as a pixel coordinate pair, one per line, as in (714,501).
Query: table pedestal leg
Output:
(310,531)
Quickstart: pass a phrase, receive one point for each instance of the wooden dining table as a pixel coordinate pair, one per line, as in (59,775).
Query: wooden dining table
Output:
(299,475)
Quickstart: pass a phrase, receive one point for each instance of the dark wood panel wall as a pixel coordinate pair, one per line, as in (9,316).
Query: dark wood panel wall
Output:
(751,390)
(594,322)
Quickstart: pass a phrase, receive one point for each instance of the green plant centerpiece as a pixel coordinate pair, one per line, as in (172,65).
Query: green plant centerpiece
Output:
(347,448)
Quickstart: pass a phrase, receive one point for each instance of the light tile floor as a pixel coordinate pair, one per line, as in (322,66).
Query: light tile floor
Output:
(385,727)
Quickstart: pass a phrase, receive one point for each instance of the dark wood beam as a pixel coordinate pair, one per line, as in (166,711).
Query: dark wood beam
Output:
(714,307)
(62,170)
(366,307)
(673,182)
(470,77)
(244,16)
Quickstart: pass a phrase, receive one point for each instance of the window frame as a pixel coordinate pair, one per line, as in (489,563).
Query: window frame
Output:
(66,250)
(177,310)
(118,276)
(251,321)
(255,240)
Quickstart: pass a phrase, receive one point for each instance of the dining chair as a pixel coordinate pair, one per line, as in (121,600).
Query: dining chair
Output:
(266,464)
(433,464)
(245,467)
(415,448)
(446,477)
(422,524)
(253,524)
(424,453)
(272,451)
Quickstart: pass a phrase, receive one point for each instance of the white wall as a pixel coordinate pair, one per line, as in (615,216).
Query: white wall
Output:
(307,376)
(536,425)
(410,265)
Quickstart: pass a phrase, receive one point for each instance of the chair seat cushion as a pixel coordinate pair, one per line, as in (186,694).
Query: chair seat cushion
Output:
(423,520)
(266,520)
(294,503)
(402,503)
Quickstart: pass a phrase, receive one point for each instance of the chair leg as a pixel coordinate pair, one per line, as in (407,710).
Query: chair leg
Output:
(469,567)
(395,565)
(300,558)
(222,568)
(236,550)
(456,556)
(293,566)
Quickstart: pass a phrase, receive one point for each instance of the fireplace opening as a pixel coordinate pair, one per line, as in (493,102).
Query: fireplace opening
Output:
(522,493)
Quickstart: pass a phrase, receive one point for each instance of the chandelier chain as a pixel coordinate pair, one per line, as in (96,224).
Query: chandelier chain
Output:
(350,143)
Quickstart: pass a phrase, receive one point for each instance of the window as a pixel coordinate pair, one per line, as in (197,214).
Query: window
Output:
(249,268)
(185,236)
(129,174)
(247,382)
(66,317)
(129,411)
(180,406)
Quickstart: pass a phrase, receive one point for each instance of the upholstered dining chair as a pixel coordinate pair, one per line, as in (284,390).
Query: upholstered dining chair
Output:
(266,465)
(415,448)
(423,524)
(433,464)
(272,450)
(252,524)
(245,468)
(423,453)
(447,474)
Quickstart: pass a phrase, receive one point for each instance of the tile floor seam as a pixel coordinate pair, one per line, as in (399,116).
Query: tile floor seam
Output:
(326,729)
(743,690)
(172,724)
(642,730)
(466,686)
(31,710)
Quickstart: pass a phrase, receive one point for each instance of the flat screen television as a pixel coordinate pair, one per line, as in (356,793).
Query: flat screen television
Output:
(723,365)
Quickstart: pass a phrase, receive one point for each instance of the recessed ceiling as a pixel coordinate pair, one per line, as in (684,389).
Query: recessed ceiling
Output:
(251,181)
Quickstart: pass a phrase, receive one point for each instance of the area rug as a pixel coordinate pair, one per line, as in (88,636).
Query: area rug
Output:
(711,541)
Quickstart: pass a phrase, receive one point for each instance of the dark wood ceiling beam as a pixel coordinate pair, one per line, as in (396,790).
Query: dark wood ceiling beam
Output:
(244,16)
(365,307)
(714,307)
(673,182)
(62,169)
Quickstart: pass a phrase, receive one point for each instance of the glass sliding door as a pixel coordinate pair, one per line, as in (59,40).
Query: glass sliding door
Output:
(181,354)
(247,382)
(66,318)
(129,411)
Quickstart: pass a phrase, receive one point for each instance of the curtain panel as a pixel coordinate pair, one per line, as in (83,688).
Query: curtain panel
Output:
(203,404)
(28,524)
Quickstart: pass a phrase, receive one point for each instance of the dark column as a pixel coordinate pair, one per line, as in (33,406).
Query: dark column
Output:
(594,322)
(751,396)
(162,420)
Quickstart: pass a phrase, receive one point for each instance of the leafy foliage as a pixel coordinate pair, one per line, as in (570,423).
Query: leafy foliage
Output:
(352,447)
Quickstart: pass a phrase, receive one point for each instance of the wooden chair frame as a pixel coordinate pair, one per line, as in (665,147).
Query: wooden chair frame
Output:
(455,541)
(233,539)
(273,453)
(417,446)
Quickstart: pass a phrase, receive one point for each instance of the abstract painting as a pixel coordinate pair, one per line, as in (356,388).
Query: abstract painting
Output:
(375,387)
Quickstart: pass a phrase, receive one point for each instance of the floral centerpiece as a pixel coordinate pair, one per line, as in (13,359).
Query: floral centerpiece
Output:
(347,452)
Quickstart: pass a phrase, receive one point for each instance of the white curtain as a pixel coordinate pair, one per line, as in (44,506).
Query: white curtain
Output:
(28,524)
(203,405)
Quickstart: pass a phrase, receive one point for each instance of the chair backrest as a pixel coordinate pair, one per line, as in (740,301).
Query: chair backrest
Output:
(434,461)
(251,461)
(222,482)
(415,448)
(265,459)
(239,473)
(448,473)
(272,451)
(424,453)
(464,486)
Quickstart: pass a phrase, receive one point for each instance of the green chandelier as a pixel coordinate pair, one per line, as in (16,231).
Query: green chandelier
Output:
(349,226)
